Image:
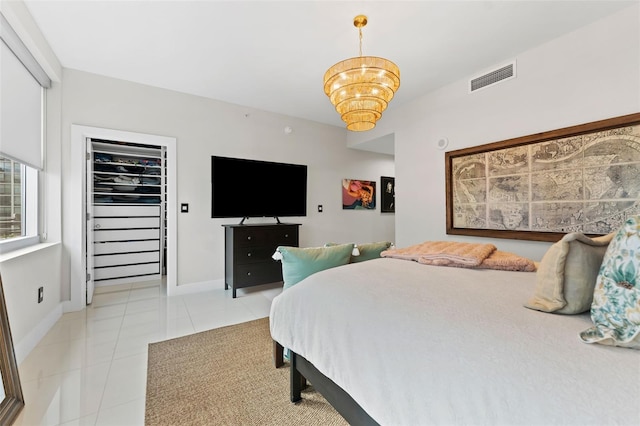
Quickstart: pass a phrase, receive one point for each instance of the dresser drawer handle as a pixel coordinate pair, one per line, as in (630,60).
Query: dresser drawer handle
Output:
(286,235)
(248,274)
(249,238)
(248,254)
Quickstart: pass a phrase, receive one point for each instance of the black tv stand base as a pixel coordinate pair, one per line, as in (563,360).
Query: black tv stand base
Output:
(247,217)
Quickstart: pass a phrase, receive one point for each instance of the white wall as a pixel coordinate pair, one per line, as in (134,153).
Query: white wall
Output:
(590,74)
(23,272)
(205,127)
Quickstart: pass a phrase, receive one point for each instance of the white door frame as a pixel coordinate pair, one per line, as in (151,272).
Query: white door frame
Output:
(89,225)
(77,254)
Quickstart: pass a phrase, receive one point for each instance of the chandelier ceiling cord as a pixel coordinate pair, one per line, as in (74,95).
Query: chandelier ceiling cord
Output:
(361,88)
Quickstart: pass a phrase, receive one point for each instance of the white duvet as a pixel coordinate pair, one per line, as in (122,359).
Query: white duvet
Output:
(427,345)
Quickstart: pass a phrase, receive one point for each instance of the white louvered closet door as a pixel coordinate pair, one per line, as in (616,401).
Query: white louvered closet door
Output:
(125,231)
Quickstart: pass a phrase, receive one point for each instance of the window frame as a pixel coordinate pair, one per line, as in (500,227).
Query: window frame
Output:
(33,184)
(30,194)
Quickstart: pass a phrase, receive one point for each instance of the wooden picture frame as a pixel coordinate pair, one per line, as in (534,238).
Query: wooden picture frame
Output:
(539,187)
(13,401)
(388,194)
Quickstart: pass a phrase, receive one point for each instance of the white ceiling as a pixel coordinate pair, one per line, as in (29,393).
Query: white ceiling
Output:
(272,55)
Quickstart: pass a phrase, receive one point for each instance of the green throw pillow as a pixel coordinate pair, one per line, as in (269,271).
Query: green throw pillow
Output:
(367,251)
(615,310)
(299,263)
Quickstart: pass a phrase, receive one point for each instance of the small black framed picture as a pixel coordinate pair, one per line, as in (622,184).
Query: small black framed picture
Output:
(388,194)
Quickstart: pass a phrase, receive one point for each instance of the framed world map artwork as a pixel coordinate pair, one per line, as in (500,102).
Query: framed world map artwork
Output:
(583,178)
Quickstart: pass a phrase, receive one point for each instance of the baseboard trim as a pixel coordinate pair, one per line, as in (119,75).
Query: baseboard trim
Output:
(24,347)
(190,288)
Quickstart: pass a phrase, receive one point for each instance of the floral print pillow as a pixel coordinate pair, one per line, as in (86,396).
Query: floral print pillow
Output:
(615,310)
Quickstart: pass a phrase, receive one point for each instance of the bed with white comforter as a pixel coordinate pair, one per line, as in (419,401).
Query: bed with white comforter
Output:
(414,344)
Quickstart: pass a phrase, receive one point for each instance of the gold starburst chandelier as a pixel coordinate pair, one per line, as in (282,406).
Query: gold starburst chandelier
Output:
(361,87)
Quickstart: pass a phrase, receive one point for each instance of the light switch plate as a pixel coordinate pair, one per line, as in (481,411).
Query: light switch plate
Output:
(184,208)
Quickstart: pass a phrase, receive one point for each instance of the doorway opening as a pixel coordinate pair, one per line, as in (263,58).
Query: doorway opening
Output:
(129,225)
(126,213)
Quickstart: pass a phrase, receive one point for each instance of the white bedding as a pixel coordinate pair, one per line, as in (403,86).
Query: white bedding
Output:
(427,345)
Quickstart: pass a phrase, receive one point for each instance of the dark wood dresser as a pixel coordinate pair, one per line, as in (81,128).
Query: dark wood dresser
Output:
(248,250)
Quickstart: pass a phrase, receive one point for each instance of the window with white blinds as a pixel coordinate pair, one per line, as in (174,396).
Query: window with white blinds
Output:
(20,112)
(22,83)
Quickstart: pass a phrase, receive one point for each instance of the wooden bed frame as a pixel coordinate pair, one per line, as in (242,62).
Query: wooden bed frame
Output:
(302,370)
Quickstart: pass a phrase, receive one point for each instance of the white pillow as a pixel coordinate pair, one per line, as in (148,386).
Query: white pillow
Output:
(567,274)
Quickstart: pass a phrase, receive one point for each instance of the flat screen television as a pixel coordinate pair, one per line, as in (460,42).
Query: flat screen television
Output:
(251,188)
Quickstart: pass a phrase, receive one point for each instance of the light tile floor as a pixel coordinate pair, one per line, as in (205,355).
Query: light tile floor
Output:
(91,367)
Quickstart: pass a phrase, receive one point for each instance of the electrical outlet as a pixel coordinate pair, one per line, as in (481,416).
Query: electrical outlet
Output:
(40,294)
(319,208)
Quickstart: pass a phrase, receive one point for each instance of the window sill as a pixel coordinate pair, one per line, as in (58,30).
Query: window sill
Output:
(4,256)
(17,243)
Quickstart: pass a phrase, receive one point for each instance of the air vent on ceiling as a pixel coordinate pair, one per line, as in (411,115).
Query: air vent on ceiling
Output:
(504,73)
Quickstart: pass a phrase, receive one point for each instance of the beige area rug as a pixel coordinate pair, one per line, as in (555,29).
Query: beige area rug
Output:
(226,376)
